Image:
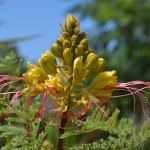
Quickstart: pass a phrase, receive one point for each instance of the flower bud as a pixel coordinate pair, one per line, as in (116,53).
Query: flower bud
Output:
(77,30)
(48,63)
(66,44)
(84,42)
(74,40)
(59,41)
(72,19)
(50,55)
(66,35)
(35,74)
(87,52)
(71,25)
(77,71)
(100,66)
(104,80)
(56,50)
(68,26)
(79,50)
(68,56)
(90,61)
(78,64)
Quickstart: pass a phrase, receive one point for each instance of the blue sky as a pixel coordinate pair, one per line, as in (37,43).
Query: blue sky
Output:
(35,17)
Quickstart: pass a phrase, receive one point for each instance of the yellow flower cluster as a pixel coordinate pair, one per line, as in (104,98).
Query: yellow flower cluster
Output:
(65,81)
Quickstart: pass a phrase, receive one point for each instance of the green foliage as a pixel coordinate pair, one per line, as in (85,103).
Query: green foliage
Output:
(120,131)
(21,130)
(10,64)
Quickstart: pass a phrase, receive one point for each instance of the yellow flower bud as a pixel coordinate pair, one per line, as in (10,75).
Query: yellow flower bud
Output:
(74,40)
(77,30)
(35,74)
(79,50)
(48,63)
(66,35)
(72,19)
(91,61)
(100,66)
(66,44)
(78,64)
(77,70)
(56,50)
(68,56)
(59,41)
(50,56)
(68,26)
(84,42)
(71,25)
(104,79)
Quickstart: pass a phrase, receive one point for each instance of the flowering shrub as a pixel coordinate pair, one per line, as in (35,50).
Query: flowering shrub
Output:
(72,77)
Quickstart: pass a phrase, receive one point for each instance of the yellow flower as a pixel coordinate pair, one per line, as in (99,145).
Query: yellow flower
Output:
(47,63)
(55,82)
(103,85)
(65,83)
(35,74)
(33,90)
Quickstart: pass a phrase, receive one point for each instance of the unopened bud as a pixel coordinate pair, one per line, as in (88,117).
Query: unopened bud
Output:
(69,27)
(74,40)
(104,79)
(79,50)
(66,44)
(48,63)
(35,73)
(84,42)
(77,30)
(59,41)
(66,35)
(90,61)
(56,50)
(50,55)
(88,52)
(100,66)
(68,56)
(78,64)
(72,19)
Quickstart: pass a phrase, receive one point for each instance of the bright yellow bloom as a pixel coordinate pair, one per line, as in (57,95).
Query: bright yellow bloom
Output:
(35,74)
(55,82)
(65,83)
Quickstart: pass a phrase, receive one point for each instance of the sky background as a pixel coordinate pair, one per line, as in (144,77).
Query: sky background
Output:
(35,17)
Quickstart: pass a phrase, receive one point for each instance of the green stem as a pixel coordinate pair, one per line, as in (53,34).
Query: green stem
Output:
(61,130)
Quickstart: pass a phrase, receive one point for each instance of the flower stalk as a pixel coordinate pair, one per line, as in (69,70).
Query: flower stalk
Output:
(65,82)
(61,130)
